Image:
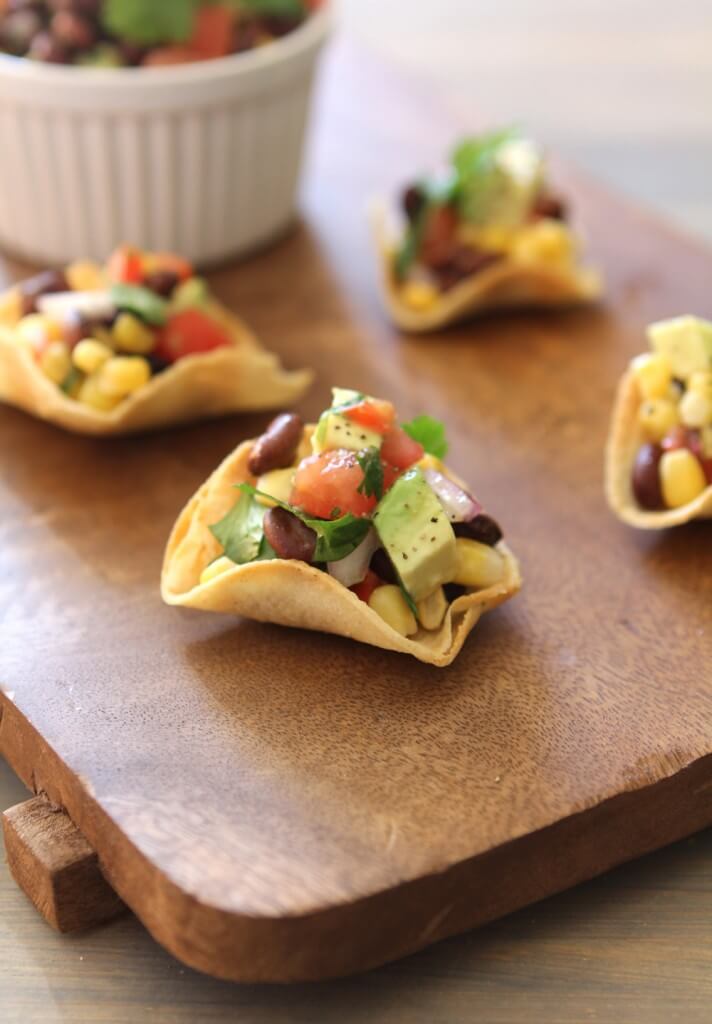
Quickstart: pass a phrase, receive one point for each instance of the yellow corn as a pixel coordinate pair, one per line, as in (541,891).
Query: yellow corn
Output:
(681,477)
(657,416)
(91,394)
(389,603)
(103,334)
(130,334)
(35,330)
(652,374)
(545,241)
(278,483)
(478,565)
(89,355)
(419,294)
(85,276)
(430,462)
(431,610)
(696,409)
(701,383)
(121,375)
(56,362)
(216,568)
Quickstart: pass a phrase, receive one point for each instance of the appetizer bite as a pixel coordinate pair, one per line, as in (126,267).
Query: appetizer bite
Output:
(353,526)
(487,234)
(659,459)
(138,344)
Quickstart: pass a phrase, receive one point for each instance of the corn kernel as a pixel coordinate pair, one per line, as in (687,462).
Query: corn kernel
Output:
(35,330)
(89,355)
(657,416)
(216,568)
(701,383)
(419,294)
(681,477)
(91,394)
(278,483)
(431,610)
(130,334)
(696,409)
(121,375)
(653,374)
(85,276)
(478,565)
(55,361)
(429,461)
(388,602)
(546,241)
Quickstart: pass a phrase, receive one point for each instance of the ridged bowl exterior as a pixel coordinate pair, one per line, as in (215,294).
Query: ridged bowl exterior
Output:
(202,159)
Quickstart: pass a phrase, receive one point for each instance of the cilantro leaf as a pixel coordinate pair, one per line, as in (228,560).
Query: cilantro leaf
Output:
(430,433)
(149,22)
(278,8)
(478,177)
(410,246)
(370,462)
(240,532)
(336,538)
(142,301)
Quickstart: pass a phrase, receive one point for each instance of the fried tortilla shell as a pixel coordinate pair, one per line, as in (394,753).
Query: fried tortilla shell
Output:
(243,377)
(624,440)
(505,284)
(293,593)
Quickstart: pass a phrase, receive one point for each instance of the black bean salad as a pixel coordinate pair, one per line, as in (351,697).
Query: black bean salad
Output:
(368,501)
(491,203)
(149,33)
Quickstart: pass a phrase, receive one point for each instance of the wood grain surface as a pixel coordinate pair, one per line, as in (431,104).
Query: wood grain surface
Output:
(56,867)
(561,702)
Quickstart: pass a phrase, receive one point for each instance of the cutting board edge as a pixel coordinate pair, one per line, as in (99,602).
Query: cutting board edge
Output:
(388,924)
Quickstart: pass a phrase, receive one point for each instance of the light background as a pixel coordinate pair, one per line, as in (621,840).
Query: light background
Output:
(624,87)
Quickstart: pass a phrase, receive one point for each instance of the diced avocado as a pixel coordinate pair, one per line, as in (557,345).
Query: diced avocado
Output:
(415,531)
(191,294)
(334,430)
(141,301)
(504,194)
(686,341)
(343,396)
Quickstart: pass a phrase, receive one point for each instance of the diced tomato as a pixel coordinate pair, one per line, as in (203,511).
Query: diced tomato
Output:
(213,31)
(373,414)
(327,485)
(169,261)
(400,450)
(125,265)
(189,333)
(366,587)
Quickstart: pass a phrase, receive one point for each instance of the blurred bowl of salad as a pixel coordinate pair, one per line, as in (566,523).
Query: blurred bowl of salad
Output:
(176,123)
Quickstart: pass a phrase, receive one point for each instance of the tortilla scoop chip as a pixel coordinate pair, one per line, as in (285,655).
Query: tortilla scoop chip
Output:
(292,593)
(243,377)
(624,440)
(505,284)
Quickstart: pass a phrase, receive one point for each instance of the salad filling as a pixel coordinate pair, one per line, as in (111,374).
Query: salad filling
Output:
(672,466)
(490,219)
(368,501)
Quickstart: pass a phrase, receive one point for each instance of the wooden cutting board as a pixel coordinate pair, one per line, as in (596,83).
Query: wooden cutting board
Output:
(277,805)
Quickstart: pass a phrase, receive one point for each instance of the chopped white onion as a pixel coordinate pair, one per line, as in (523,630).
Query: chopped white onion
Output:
(460,506)
(92,305)
(352,569)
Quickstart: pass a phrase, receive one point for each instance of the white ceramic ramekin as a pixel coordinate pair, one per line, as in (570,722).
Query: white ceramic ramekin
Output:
(202,159)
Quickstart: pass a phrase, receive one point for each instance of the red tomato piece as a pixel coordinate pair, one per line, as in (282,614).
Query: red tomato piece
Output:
(373,414)
(190,333)
(328,482)
(680,437)
(366,587)
(213,31)
(400,450)
(125,265)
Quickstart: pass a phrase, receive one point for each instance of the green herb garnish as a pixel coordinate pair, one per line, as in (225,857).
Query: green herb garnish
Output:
(142,301)
(276,8)
(370,462)
(430,433)
(240,532)
(150,22)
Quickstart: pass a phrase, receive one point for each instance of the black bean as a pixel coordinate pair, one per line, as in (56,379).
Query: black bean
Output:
(276,448)
(42,284)
(412,201)
(72,30)
(453,591)
(464,261)
(158,365)
(162,282)
(383,566)
(47,49)
(549,205)
(645,478)
(288,535)
(482,528)
(18,29)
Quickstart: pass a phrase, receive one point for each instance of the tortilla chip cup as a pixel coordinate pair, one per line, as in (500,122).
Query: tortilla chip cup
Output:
(505,284)
(624,440)
(243,377)
(293,593)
